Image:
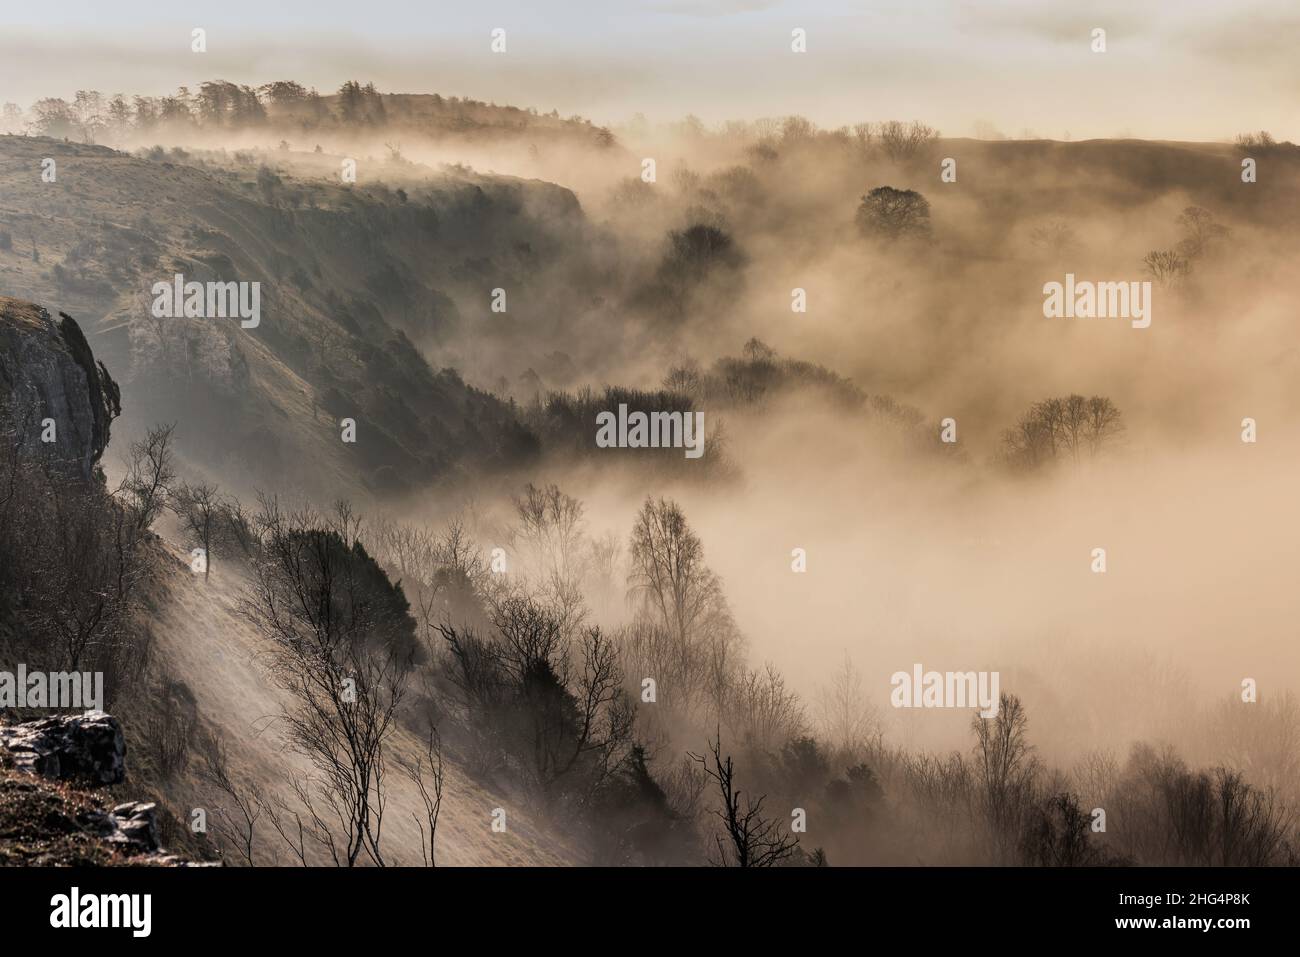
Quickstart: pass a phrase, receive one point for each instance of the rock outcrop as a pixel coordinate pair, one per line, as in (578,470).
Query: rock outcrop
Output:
(47,371)
(50,809)
(87,748)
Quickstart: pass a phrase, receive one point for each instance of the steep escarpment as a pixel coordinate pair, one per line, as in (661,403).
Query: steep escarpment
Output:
(87,587)
(52,391)
(362,290)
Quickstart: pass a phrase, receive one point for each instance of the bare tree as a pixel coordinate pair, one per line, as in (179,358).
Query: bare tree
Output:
(751,840)
(844,715)
(1166,266)
(340,640)
(550,533)
(236,826)
(199,507)
(1005,768)
(1200,232)
(81,564)
(1103,423)
(668,575)
(303,827)
(149,475)
(673,587)
(1055,238)
(430,790)
(684,378)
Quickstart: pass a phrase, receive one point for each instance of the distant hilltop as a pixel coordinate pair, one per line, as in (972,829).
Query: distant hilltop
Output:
(287,106)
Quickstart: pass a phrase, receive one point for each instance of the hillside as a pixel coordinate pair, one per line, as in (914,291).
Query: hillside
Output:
(197,677)
(357,286)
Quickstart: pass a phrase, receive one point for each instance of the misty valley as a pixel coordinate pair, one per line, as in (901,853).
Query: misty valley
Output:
(391,477)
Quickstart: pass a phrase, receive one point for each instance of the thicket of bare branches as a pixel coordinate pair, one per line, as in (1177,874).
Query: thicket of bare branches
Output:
(341,643)
(904,142)
(149,475)
(1066,427)
(71,560)
(748,838)
(545,705)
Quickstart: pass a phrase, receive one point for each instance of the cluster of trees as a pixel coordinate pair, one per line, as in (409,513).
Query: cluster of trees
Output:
(1067,427)
(699,261)
(216,103)
(70,561)
(220,104)
(1201,234)
(424,638)
(895,140)
(1001,804)
(756,375)
(1260,141)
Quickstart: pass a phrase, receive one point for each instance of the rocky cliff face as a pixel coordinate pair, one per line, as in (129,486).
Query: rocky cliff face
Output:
(52,811)
(47,371)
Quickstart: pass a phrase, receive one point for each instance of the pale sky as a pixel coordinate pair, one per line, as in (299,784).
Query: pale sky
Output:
(1173,69)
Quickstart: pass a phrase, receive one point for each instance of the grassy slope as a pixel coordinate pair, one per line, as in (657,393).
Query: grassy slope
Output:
(203,636)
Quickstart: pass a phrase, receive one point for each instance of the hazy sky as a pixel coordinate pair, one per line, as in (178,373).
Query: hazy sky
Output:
(1179,69)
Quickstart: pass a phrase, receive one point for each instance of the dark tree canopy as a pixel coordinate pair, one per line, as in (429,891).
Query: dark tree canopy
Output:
(888,213)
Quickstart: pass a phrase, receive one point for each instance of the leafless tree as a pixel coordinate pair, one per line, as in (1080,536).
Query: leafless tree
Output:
(1166,266)
(844,715)
(668,575)
(1103,423)
(1200,232)
(550,535)
(682,598)
(149,476)
(303,827)
(429,787)
(749,839)
(903,142)
(236,825)
(1218,819)
(335,642)
(684,378)
(1005,767)
(81,567)
(199,507)
(1055,238)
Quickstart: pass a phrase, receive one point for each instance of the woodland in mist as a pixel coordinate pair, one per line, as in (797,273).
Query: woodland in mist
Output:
(474,636)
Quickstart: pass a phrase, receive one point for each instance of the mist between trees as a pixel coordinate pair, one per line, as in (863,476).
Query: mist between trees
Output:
(533,681)
(425,676)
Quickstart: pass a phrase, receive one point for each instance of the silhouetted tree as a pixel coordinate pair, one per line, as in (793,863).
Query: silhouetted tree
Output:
(888,213)
(749,839)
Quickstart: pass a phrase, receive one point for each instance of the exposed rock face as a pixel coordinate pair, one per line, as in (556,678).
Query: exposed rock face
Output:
(44,824)
(47,370)
(88,748)
(133,825)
